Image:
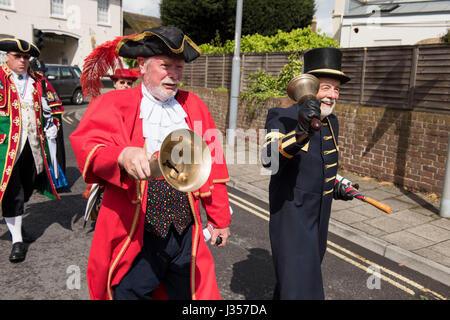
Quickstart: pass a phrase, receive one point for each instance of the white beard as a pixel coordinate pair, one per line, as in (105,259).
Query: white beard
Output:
(329,109)
(159,93)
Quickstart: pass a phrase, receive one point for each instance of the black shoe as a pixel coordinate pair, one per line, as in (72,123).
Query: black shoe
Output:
(18,252)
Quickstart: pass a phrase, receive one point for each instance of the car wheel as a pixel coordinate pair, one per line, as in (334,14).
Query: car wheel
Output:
(77,97)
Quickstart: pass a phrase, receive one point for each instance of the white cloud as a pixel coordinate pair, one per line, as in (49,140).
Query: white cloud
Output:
(147,7)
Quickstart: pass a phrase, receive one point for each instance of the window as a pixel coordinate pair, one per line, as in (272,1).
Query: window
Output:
(52,73)
(56,8)
(7,4)
(77,71)
(66,73)
(102,11)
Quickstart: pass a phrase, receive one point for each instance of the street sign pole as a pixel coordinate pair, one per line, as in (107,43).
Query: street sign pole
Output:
(235,77)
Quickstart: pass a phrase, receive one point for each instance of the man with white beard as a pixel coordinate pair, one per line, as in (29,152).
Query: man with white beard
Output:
(148,241)
(304,183)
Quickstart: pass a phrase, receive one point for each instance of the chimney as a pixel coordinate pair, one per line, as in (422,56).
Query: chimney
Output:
(314,25)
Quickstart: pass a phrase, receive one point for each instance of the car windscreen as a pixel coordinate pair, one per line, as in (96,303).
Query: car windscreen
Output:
(66,73)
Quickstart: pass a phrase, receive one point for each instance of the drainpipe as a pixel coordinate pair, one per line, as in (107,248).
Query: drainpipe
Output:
(445,199)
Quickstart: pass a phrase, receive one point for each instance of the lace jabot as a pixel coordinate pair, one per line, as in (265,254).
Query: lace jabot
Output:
(159,119)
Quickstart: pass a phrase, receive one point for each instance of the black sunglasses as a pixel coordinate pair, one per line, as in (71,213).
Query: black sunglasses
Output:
(127,82)
(18,56)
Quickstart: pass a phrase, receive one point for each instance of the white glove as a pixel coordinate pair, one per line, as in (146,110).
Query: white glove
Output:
(51,132)
(343,180)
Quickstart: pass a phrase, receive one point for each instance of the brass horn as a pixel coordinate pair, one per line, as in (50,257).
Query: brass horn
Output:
(184,160)
(304,87)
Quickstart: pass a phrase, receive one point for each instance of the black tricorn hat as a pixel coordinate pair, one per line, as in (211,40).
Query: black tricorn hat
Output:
(18,45)
(159,40)
(324,62)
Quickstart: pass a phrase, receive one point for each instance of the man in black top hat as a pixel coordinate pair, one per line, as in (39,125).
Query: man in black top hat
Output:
(25,125)
(303,182)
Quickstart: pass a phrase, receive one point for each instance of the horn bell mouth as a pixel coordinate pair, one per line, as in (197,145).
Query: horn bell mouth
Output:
(185,160)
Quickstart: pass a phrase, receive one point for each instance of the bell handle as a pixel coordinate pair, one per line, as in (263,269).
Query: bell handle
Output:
(316,124)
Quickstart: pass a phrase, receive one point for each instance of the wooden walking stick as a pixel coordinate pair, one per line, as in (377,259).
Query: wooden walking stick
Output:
(358,195)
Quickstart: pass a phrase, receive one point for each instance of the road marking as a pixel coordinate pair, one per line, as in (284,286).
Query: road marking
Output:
(66,119)
(388,271)
(248,206)
(249,210)
(368,270)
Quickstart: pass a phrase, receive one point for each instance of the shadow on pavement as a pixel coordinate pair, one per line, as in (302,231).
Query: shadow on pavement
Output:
(254,278)
(39,216)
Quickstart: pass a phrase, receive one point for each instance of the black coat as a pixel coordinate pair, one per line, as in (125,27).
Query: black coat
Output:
(300,195)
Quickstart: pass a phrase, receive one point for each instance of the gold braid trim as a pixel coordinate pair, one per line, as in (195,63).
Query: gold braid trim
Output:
(142,35)
(88,159)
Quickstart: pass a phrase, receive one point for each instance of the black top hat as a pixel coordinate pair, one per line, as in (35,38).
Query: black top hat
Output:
(18,45)
(324,62)
(158,40)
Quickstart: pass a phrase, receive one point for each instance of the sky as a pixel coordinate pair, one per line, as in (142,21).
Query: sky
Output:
(151,8)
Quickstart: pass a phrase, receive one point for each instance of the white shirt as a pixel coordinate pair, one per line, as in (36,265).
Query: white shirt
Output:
(28,126)
(159,119)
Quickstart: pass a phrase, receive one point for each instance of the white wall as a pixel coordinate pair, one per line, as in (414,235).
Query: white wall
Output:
(79,22)
(399,30)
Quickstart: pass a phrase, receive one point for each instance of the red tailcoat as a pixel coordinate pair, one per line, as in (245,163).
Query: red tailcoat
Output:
(110,124)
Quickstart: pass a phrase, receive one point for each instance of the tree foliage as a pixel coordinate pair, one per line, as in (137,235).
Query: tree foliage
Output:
(295,40)
(205,21)
(201,20)
(266,17)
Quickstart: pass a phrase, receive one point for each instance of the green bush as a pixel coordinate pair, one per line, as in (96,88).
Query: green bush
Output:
(294,41)
(262,86)
(446,38)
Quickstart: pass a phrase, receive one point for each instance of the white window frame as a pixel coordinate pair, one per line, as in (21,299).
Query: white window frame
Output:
(7,7)
(101,22)
(57,15)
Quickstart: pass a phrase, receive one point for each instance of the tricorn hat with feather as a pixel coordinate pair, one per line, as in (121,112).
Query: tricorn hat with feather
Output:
(150,42)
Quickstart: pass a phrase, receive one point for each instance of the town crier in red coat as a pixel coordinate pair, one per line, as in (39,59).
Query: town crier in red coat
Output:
(148,239)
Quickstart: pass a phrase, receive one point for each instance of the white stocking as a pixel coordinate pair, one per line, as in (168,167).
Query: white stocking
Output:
(15,227)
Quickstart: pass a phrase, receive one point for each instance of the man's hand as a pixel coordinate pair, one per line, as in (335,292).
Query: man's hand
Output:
(223,233)
(340,192)
(135,161)
(308,110)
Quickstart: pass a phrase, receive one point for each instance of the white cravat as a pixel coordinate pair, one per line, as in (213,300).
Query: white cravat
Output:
(159,119)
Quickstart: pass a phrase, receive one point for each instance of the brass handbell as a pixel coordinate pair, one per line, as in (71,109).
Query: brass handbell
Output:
(184,160)
(302,88)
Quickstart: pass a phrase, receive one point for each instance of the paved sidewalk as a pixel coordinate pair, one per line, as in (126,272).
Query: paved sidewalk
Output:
(413,235)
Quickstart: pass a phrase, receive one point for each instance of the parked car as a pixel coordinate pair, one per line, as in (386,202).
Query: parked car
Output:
(66,81)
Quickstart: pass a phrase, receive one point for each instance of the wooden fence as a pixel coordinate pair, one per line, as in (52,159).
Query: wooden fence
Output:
(401,77)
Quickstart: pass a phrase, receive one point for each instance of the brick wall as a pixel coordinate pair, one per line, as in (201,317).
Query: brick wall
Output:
(218,103)
(408,148)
